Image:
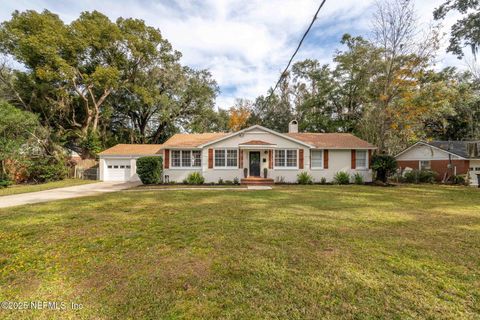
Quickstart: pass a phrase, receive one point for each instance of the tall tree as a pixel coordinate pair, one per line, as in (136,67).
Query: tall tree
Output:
(239,114)
(466,31)
(16,129)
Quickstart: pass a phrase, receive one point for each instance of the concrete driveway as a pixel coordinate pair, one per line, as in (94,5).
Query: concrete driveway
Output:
(64,193)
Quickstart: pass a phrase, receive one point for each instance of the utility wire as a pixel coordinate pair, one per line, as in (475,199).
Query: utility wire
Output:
(298,48)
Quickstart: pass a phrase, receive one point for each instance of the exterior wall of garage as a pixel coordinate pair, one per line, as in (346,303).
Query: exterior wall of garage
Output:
(132,160)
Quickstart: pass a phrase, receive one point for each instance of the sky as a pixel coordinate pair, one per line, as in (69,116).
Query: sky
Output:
(245,44)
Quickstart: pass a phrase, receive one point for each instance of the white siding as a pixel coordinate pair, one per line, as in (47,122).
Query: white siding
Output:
(424,152)
(473,174)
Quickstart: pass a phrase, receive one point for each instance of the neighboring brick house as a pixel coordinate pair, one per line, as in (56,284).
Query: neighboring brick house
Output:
(254,155)
(447,158)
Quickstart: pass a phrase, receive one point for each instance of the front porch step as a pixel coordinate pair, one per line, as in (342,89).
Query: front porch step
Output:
(257,181)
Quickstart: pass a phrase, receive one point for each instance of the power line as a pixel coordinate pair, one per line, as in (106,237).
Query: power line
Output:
(296,50)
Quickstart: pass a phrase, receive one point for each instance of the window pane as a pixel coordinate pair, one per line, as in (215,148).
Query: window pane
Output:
(175,158)
(231,158)
(425,165)
(186,158)
(219,158)
(361,159)
(291,158)
(279,158)
(197,158)
(317,158)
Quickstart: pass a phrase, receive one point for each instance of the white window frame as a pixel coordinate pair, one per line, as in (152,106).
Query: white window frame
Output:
(225,157)
(285,167)
(365,167)
(192,159)
(420,164)
(321,151)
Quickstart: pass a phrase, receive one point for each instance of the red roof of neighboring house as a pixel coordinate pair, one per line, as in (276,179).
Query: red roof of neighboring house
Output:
(133,149)
(332,140)
(257,143)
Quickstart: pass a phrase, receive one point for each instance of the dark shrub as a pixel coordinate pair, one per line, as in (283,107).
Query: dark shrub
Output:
(420,176)
(220,181)
(383,165)
(304,178)
(149,169)
(47,169)
(195,178)
(341,178)
(459,180)
(427,176)
(228,182)
(358,178)
(323,180)
(236,181)
(5,183)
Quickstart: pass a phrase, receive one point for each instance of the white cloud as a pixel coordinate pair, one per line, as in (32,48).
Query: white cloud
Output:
(245,44)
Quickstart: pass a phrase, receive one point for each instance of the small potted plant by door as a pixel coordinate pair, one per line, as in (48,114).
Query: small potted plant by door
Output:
(245,172)
(265,173)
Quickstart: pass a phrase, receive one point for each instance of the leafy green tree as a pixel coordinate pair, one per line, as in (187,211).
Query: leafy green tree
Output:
(274,112)
(17,128)
(119,80)
(466,31)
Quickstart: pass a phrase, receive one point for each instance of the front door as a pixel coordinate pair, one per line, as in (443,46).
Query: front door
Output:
(255,163)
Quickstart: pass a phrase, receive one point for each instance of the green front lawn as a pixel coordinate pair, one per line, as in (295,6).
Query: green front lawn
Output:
(23,188)
(290,253)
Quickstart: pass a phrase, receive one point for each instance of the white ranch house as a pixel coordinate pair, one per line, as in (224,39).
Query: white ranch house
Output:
(246,155)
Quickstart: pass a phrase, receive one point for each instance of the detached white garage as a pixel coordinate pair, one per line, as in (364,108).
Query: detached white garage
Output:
(119,162)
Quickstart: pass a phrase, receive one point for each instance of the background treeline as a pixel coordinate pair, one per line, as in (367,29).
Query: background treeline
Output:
(385,89)
(92,83)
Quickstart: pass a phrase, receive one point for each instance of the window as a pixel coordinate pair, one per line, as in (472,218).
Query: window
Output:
(186,158)
(197,158)
(128,167)
(361,159)
(279,158)
(291,158)
(109,167)
(477,169)
(286,158)
(231,158)
(122,167)
(317,158)
(226,158)
(425,165)
(176,158)
(219,158)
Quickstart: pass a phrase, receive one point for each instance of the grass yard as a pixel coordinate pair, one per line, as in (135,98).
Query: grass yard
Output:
(23,188)
(336,252)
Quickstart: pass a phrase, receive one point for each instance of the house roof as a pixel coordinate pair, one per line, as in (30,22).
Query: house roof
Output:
(463,149)
(460,148)
(257,143)
(181,140)
(133,149)
(199,140)
(332,140)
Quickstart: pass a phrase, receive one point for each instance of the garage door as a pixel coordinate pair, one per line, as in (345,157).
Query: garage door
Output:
(117,170)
